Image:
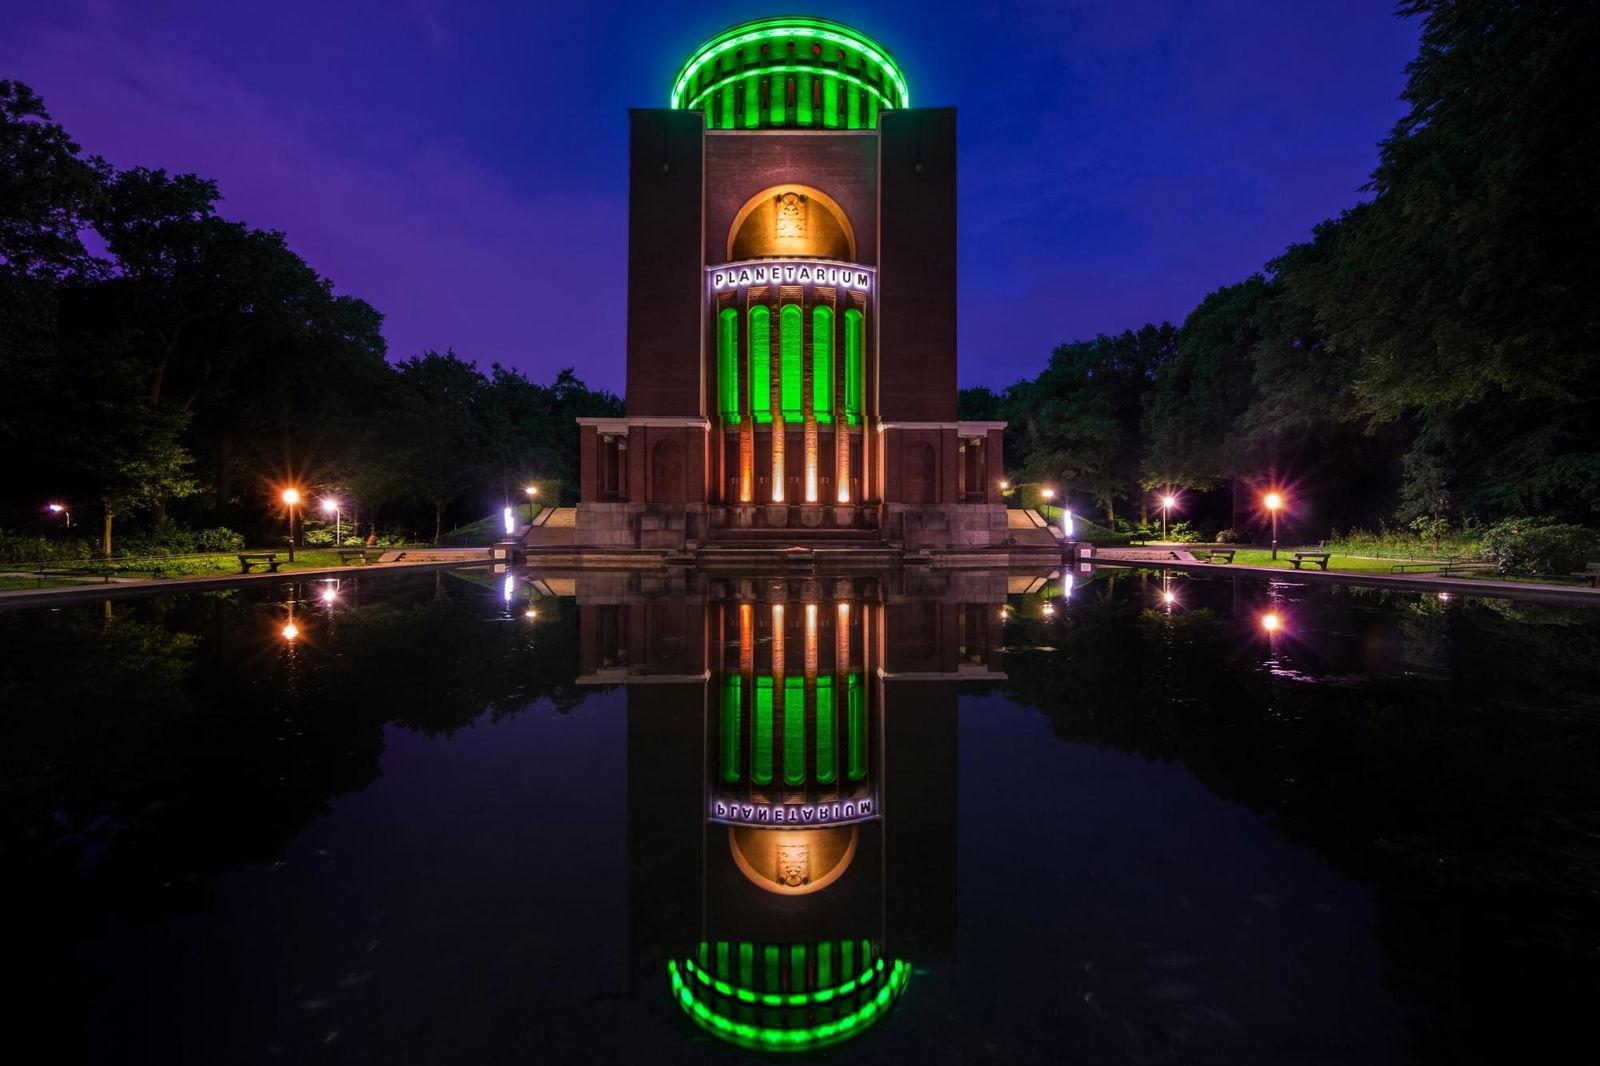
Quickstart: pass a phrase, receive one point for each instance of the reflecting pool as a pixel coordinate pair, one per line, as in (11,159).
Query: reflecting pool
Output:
(532,817)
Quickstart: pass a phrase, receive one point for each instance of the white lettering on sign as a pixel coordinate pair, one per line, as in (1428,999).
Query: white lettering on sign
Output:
(799,272)
(730,812)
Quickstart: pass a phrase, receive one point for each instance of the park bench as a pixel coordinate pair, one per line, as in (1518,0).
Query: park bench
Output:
(366,555)
(266,559)
(1320,558)
(1407,568)
(1215,555)
(1591,572)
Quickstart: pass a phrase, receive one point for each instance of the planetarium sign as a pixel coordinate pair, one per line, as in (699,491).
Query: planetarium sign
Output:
(850,276)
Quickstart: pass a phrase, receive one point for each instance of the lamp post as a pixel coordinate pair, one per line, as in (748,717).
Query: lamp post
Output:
(1167,502)
(290,498)
(60,509)
(1274,501)
(331,504)
(532,491)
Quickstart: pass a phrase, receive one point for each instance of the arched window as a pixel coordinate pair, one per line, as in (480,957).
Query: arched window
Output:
(822,363)
(855,342)
(789,349)
(760,364)
(728,364)
(666,472)
(920,474)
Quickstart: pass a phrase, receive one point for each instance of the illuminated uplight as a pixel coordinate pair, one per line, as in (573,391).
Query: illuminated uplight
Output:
(1271,622)
(509,589)
(291,496)
(511,523)
(1068,526)
(1067,581)
(290,631)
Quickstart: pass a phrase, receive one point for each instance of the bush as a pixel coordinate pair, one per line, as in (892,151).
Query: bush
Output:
(23,548)
(220,539)
(172,540)
(1229,536)
(1531,546)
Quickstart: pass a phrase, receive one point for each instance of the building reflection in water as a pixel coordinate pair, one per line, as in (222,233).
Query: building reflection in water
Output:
(792,785)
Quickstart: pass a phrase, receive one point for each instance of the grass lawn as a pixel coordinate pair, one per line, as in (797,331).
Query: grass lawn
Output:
(214,564)
(12,582)
(1263,557)
(487,530)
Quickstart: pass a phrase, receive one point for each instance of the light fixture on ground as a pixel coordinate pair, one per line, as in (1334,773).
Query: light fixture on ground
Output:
(1168,501)
(1274,502)
(333,507)
(291,499)
(531,491)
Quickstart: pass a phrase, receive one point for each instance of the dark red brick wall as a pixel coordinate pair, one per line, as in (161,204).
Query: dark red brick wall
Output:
(842,165)
(917,265)
(665,265)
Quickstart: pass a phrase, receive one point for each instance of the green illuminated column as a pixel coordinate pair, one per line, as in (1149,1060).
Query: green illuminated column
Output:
(852,95)
(794,730)
(855,340)
(826,754)
(822,363)
(760,363)
(728,364)
(727,109)
(856,697)
(778,98)
(761,734)
(729,739)
(752,100)
(830,100)
(790,319)
(802,101)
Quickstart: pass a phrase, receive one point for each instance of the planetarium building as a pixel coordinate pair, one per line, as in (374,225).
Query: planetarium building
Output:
(791,334)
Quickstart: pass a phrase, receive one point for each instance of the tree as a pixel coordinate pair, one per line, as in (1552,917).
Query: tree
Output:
(437,430)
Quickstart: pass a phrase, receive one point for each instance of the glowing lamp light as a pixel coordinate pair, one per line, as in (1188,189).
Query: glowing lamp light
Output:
(1271,622)
(290,631)
(56,507)
(530,614)
(1004,485)
(532,490)
(1049,609)
(291,496)
(1273,501)
(1048,494)
(1169,597)
(329,595)
(330,505)
(1169,501)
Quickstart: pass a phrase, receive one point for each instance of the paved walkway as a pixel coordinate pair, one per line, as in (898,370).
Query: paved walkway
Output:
(1462,586)
(118,588)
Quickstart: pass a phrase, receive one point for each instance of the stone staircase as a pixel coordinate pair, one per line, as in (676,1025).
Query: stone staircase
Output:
(551,527)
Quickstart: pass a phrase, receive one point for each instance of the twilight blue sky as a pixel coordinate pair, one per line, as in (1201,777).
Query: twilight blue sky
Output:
(461,165)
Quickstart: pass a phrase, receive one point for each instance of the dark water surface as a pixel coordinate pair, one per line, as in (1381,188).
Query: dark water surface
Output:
(463,817)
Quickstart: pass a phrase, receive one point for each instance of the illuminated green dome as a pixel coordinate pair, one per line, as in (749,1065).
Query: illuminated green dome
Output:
(791,72)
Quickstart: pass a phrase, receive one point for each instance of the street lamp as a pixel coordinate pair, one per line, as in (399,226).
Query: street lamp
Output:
(60,509)
(331,504)
(532,491)
(290,498)
(1274,501)
(1168,502)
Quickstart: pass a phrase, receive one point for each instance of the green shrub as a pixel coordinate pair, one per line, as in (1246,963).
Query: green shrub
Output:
(1229,536)
(25,548)
(1531,546)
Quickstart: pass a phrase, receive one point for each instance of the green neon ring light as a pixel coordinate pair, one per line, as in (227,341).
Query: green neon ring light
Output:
(815,29)
(803,1038)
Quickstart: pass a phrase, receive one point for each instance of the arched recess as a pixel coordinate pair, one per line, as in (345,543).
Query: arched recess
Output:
(666,471)
(921,473)
(822,230)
